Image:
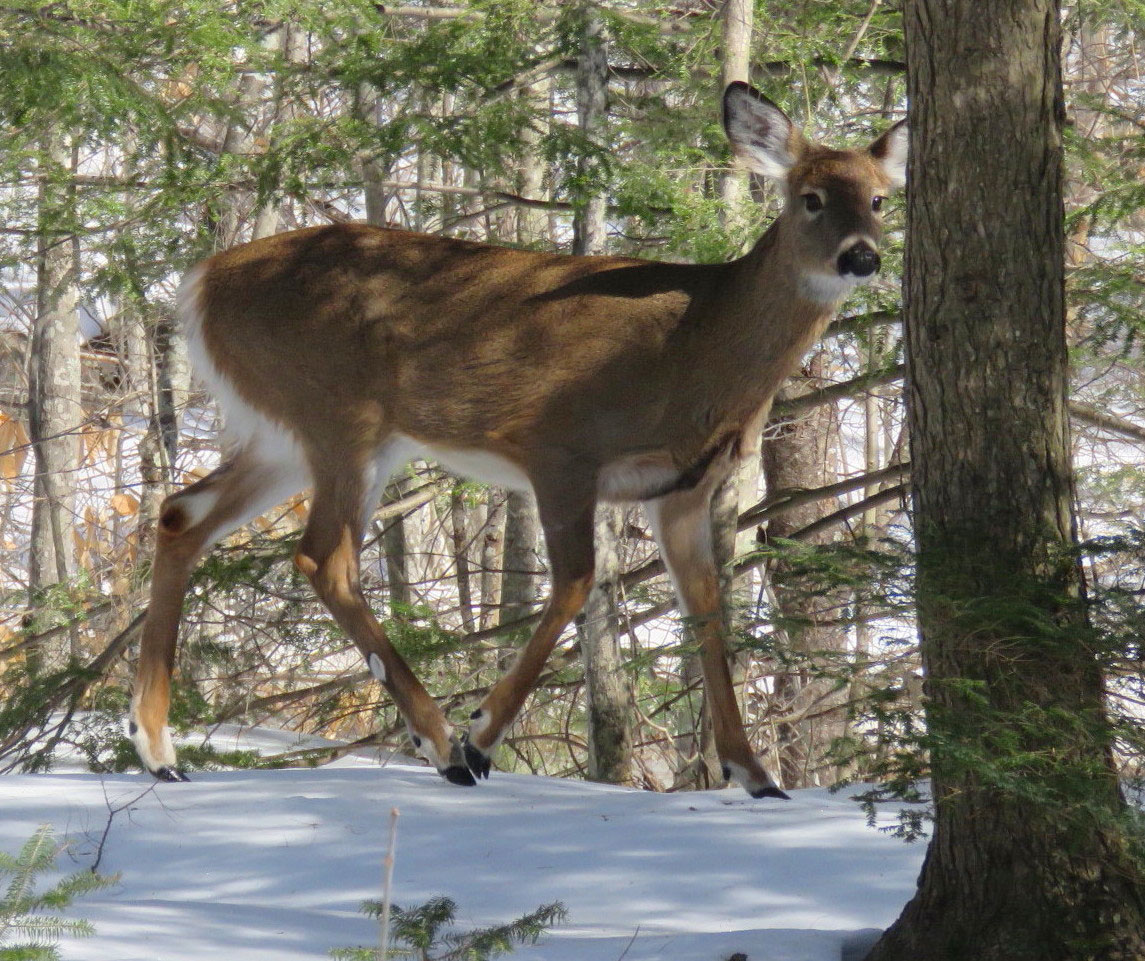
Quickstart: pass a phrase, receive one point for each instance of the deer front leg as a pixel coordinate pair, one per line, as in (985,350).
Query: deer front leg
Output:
(569,542)
(681,523)
(328,555)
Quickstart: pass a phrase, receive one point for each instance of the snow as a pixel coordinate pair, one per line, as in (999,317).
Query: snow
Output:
(274,864)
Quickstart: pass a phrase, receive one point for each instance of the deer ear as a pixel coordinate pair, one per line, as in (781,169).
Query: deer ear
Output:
(762,137)
(890,151)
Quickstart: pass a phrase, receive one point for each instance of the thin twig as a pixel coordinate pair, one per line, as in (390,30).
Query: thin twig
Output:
(631,941)
(111,813)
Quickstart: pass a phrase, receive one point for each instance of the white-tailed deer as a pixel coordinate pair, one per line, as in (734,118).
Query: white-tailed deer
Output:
(340,353)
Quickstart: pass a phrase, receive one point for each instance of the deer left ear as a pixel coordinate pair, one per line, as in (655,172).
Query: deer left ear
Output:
(762,137)
(890,151)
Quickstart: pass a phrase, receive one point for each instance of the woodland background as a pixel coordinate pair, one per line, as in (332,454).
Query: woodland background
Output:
(138,137)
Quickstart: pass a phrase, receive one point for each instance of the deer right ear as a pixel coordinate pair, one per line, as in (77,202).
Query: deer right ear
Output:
(762,137)
(890,151)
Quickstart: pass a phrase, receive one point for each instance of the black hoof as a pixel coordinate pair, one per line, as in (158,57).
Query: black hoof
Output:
(172,775)
(770,792)
(478,763)
(456,774)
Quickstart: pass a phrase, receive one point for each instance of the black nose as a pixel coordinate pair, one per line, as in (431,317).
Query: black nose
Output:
(862,260)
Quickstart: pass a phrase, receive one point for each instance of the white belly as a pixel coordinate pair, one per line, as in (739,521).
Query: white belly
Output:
(479,465)
(627,479)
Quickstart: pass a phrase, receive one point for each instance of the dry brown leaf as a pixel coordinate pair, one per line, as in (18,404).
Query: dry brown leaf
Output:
(124,504)
(13,447)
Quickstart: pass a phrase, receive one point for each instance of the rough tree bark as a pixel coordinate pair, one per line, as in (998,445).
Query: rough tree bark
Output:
(800,455)
(607,687)
(131,334)
(1026,862)
(393,533)
(55,410)
(608,690)
(696,743)
(589,223)
(533,225)
(521,558)
(241,137)
(459,536)
(492,563)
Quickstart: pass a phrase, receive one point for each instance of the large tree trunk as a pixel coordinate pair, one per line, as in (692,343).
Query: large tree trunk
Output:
(133,341)
(393,533)
(532,225)
(607,686)
(492,553)
(1026,863)
(520,526)
(55,411)
(801,455)
(250,123)
(735,65)
(459,536)
(521,560)
(696,742)
(589,223)
(609,692)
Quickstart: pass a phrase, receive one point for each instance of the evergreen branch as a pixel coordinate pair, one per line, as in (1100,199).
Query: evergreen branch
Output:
(37,927)
(20,905)
(65,696)
(422,929)
(500,939)
(35,857)
(860,322)
(31,952)
(841,516)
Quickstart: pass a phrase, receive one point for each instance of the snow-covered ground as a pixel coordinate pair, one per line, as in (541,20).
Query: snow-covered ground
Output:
(251,866)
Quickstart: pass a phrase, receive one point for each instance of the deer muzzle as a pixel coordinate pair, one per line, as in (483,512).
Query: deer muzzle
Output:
(859,260)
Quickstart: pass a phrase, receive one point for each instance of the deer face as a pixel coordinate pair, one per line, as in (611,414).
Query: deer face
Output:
(832,223)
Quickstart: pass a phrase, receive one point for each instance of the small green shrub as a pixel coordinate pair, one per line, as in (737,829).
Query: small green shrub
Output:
(422,933)
(22,909)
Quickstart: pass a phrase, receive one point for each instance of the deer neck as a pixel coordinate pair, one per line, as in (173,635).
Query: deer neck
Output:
(762,321)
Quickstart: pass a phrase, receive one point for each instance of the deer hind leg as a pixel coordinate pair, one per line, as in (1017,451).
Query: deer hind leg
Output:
(571,559)
(328,555)
(681,523)
(189,523)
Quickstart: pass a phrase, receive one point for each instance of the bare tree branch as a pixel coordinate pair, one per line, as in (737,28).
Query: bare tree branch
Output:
(1088,414)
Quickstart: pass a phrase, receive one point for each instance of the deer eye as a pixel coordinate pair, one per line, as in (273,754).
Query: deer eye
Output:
(877,203)
(812,202)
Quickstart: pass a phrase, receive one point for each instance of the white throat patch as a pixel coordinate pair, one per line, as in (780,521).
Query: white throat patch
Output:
(828,288)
